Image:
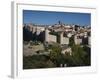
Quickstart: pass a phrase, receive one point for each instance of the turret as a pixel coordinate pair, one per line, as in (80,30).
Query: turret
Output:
(46,35)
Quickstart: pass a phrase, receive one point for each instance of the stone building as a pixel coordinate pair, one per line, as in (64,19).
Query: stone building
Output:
(49,37)
(63,40)
(67,51)
(77,40)
(54,38)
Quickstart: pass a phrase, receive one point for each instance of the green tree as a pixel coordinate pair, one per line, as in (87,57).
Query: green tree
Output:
(55,51)
(79,56)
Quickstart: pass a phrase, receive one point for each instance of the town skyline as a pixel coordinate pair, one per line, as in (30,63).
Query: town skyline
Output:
(50,17)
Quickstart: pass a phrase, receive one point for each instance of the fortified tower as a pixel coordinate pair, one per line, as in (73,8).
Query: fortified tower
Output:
(61,38)
(46,35)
